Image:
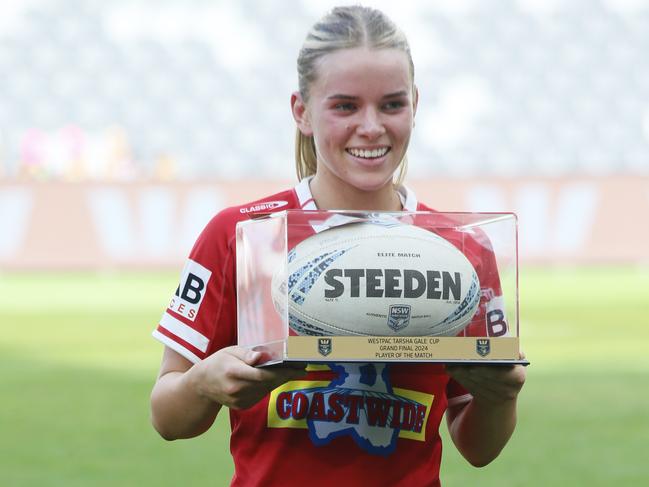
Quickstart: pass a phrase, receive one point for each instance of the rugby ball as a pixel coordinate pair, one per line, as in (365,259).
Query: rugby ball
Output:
(380,279)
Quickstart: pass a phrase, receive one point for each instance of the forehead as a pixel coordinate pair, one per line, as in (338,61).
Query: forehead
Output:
(362,71)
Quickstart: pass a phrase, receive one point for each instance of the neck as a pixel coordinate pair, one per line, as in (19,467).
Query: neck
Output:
(347,197)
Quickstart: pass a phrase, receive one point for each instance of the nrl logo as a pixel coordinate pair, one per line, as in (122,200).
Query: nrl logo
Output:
(324,346)
(483,347)
(398,316)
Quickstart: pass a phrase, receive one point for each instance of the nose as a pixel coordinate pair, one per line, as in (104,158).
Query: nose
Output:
(370,124)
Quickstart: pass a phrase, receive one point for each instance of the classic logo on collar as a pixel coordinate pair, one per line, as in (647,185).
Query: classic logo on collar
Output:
(266,206)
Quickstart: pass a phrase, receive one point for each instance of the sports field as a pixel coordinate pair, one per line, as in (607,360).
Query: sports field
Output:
(77,363)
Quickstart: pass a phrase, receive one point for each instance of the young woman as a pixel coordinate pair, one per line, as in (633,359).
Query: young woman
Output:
(355,110)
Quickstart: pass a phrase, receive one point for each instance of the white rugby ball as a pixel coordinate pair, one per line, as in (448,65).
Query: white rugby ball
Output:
(379,279)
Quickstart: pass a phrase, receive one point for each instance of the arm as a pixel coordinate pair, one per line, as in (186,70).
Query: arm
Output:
(187,397)
(481,428)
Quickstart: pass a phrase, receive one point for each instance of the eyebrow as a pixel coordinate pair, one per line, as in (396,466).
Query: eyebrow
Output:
(350,97)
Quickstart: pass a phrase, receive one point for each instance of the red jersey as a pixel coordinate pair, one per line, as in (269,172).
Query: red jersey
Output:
(354,423)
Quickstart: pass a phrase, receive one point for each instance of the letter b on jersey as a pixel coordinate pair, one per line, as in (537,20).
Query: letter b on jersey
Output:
(191,291)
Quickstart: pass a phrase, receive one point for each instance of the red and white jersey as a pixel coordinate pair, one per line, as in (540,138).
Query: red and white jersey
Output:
(336,423)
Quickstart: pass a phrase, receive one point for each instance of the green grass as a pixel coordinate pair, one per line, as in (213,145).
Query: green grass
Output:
(77,364)
(584,411)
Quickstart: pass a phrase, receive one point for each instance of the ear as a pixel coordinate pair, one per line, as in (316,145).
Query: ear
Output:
(301,114)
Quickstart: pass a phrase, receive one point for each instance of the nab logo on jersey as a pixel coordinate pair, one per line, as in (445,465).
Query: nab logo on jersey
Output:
(191,291)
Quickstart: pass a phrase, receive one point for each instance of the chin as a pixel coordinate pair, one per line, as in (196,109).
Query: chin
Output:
(370,183)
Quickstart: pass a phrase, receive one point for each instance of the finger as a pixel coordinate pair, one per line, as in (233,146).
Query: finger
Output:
(459,371)
(497,380)
(292,372)
(479,385)
(271,375)
(280,375)
(295,365)
(487,392)
(496,373)
(249,357)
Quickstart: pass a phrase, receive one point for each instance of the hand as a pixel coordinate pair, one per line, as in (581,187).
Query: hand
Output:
(490,383)
(228,377)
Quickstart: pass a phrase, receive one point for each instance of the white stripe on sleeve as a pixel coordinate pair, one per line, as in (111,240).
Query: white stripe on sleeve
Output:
(187,333)
(175,346)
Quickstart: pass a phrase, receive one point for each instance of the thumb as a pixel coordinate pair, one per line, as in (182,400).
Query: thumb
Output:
(249,357)
(252,357)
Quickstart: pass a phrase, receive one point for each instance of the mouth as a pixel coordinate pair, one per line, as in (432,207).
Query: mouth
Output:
(368,154)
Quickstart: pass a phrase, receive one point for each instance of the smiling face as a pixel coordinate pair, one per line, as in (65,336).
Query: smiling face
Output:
(360,112)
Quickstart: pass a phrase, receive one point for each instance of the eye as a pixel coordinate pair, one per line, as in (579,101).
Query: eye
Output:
(394,105)
(344,107)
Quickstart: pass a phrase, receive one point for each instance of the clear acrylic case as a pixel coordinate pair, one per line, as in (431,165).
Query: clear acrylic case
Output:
(264,247)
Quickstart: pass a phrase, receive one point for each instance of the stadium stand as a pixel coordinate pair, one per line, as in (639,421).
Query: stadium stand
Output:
(128,90)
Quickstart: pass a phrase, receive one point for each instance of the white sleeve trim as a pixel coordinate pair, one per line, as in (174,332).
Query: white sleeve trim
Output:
(187,333)
(176,347)
(454,401)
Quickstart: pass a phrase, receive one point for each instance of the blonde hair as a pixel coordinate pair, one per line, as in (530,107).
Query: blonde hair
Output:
(343,28)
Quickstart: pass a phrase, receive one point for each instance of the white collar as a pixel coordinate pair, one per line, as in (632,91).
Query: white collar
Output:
(303,192)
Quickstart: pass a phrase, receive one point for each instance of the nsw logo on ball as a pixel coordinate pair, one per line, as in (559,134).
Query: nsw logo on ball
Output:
(398,316)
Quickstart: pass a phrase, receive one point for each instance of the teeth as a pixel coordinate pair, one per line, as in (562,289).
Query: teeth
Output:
(368,154)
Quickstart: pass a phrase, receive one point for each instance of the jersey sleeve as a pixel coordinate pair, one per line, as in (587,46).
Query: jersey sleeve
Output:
(201,315)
